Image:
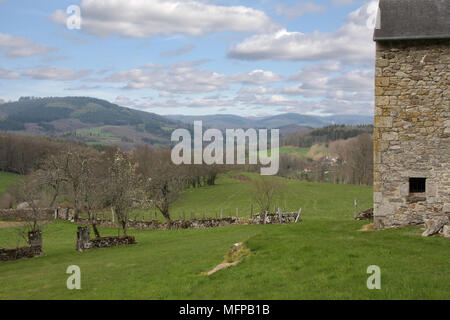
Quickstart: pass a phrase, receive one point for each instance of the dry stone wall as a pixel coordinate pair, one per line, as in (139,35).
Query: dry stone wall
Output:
(84,241)
(289,217)
(412,131)
(271,218)
(33,249)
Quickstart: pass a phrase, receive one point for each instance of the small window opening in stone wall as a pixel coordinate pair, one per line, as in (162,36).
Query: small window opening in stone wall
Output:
(417,185)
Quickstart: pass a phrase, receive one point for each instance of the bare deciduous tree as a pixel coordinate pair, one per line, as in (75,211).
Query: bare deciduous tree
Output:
(162,180)
(122,189)
(264,190)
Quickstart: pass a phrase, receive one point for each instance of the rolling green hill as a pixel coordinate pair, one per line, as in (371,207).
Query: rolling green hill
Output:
(62,117)
(286,122)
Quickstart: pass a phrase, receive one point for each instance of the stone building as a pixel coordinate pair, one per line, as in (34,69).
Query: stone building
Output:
(412,112)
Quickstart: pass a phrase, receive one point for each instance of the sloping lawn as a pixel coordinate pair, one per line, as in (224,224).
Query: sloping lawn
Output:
(7,179)
(323,257)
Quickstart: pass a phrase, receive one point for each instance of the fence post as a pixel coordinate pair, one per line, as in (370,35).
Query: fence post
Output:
(265,217)
(221,213)
(251,211)
(280,215)
(298,216)
(237,212)
(356,208)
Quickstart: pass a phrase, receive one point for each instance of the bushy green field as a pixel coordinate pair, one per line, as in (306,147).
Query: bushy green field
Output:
(7,179)
(324,256)
(98,132)
(300,152)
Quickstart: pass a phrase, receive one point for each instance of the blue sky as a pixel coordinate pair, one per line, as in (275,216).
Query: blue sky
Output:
(195,57)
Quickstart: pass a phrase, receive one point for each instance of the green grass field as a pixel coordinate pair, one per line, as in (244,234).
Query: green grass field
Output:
(7,179)
(302,152)
(323,257)
(98,132)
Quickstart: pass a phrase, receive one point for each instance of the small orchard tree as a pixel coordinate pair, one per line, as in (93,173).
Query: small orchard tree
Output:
(32,191)
(164,183)
(264,190)
(53,174)
(122,189)
(162,180)
(92,189)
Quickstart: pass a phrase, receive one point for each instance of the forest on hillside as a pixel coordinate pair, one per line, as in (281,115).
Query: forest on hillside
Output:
(307,138)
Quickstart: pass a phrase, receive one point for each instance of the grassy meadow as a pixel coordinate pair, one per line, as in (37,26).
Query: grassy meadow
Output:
(323,257)
(7,179)
(299,152)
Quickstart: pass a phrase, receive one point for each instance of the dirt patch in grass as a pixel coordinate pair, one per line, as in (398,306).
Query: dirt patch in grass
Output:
(366,227)
(232,258)
(5,224)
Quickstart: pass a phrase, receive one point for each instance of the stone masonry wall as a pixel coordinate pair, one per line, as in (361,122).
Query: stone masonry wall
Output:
(288,217)
(33,249)
(412,131)
(84,241)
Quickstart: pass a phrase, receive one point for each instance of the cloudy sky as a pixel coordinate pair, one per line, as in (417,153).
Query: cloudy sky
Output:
(252,58)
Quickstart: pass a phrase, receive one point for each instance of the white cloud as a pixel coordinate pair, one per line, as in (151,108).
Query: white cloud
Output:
(299,9)
(352,43)
(343,2)
(185,78)
(145,18)
(178,52)
(6,74)
(55,73)
(325,88)
(19,47)
(256,77)
(83,88)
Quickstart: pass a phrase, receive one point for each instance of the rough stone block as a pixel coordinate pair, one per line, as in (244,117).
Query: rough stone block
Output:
(434,225)
(383,122)
(382,81)
(446,208)
(446,231)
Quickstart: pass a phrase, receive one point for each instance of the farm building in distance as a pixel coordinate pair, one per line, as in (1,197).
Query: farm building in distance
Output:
(412,112)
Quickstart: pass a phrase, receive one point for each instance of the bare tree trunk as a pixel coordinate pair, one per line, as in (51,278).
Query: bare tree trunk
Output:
(93,221)
(52,203)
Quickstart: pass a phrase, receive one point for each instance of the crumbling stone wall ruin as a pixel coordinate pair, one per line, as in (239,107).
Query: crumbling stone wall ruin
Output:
(33,249)
(84,241)
(270,218)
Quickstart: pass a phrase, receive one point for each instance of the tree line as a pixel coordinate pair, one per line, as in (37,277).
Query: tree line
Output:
(307,138)
(91,180)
